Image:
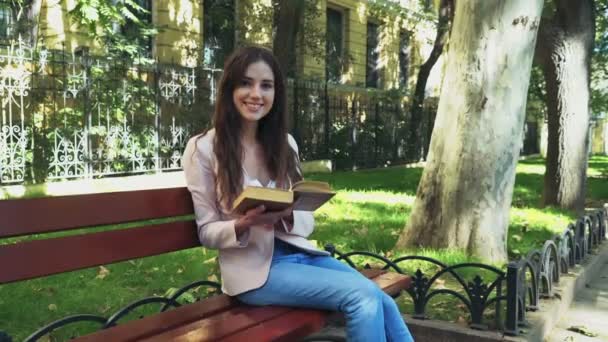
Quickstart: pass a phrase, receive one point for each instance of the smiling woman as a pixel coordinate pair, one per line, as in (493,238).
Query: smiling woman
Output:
(265,256)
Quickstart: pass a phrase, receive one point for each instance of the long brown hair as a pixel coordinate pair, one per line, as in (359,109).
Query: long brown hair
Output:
(281,161)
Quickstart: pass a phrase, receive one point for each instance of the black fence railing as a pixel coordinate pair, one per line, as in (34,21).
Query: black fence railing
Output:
(535,276)
(354,127)
(509,294)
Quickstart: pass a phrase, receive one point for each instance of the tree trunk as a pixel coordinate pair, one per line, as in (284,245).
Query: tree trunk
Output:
(415,138)
(288,22)
(564,52)
(464,196)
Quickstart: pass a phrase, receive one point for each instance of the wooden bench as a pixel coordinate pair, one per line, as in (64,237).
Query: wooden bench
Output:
(216,318)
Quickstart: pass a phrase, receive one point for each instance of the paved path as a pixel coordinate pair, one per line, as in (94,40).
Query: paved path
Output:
(589,310)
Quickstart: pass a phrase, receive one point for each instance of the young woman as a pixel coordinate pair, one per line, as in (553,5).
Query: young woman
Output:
(264,257)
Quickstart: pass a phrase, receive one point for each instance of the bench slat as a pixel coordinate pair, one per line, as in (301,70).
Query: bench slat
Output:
(155,324)
(41,215)
(219,326)
(393,283)
(285,328)
(32,259)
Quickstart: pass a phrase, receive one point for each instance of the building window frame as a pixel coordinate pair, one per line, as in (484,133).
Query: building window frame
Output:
(335,62)
(404,58)
(146,43)
(7,20)
(218,45)
(373,76)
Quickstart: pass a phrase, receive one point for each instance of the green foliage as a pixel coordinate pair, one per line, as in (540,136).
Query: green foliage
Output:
(536,108)
(118,25)
(409,16)
(599,62)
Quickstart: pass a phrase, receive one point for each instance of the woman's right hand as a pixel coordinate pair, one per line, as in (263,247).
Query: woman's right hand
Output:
(260,217)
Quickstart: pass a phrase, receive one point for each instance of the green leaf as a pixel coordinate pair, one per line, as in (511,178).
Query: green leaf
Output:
(170,292)
(90,13)
(128,14)
(187,297)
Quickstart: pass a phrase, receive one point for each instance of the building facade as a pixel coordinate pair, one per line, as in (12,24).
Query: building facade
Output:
(368,44)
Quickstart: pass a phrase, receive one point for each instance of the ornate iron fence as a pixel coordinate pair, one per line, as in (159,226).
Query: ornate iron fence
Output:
(73,115)
(520,288)
(535,276)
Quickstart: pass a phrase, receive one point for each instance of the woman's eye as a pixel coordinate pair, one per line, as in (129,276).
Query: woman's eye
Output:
(244,83)
(267,86)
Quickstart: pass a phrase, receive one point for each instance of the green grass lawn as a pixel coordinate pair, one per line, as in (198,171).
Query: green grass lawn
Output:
(369,212)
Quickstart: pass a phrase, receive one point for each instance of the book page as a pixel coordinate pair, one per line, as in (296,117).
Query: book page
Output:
(315,186)
(311,201)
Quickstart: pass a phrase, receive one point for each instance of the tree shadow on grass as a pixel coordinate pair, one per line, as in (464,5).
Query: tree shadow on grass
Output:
(599,163)
(528,190)
(533,161)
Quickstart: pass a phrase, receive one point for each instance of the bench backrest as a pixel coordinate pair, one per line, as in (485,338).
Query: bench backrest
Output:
(37,258)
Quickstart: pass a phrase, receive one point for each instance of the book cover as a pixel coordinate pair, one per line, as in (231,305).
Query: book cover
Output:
(304,195)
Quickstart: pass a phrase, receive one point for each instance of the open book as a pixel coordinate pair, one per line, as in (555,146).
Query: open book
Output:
(304,195)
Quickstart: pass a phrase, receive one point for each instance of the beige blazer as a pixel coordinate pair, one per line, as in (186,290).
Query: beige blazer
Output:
(244,262)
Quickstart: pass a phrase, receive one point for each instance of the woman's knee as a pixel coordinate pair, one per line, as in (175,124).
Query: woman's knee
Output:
(365,298)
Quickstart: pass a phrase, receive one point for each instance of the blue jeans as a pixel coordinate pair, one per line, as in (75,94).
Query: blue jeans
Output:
(300,279)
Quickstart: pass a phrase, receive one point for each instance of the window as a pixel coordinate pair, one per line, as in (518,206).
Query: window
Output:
(372,65)
(136,34)
(404,59)
(6,20)
(334,48)
(218,32)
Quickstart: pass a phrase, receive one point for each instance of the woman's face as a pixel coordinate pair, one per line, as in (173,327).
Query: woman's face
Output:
(253,96)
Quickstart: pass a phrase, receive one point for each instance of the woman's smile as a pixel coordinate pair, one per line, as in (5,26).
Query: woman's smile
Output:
(254,95)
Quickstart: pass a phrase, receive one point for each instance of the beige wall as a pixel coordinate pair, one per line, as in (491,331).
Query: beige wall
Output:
(180,25)
(58,30)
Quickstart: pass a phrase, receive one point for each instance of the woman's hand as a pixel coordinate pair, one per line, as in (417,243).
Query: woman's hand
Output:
(260,217)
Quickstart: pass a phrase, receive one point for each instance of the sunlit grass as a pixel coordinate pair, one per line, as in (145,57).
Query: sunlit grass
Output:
(531,167)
